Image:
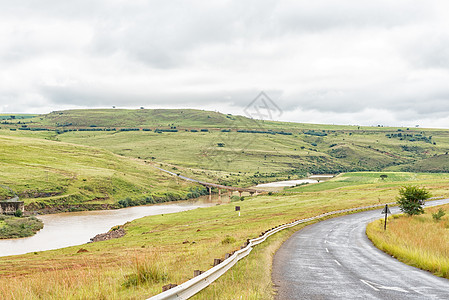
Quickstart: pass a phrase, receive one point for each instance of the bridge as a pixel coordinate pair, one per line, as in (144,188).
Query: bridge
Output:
(220,187)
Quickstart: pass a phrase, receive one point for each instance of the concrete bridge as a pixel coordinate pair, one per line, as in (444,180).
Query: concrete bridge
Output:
(229,189)
(220,187)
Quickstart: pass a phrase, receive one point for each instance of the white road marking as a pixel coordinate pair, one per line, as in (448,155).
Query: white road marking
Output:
(327,250)
(325,241)
(422,290)
(337,262)
(369,285)
(376,286)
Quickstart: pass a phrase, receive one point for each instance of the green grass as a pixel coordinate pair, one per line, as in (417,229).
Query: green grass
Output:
(364,178)
(162,118)
(247,158)
(13,227)
(177,244)
(47,174)
(16,117)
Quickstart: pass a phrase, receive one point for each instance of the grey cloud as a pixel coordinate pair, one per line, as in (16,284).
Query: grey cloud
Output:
(196,53)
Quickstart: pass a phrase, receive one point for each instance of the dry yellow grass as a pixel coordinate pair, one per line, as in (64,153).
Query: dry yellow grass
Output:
(419,241)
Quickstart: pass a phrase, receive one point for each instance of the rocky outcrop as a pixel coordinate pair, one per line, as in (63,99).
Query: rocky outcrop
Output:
(113,234)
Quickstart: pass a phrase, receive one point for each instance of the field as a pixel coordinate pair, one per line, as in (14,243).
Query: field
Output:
(168,248)
(419,241)
(53,175)
(235,150)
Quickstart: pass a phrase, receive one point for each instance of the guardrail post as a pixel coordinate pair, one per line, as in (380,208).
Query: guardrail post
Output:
(197,273)
(168,286)
(217,261)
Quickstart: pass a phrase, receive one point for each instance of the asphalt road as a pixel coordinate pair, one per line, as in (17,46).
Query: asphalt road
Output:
(334,259)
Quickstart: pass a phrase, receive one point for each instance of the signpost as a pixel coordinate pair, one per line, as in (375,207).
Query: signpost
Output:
(386,211)
(237,208)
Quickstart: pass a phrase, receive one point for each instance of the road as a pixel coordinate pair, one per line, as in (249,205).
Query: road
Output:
(334,259)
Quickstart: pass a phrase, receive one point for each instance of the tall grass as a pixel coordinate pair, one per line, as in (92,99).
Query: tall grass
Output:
(419,241)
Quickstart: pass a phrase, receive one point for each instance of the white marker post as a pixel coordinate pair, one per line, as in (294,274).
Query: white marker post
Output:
(237,208)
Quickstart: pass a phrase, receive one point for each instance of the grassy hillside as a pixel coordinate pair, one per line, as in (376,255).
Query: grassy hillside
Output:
(236,150)
(46,174)
(137,118)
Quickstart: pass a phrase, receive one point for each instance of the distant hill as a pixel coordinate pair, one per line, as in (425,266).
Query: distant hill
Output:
(139,118)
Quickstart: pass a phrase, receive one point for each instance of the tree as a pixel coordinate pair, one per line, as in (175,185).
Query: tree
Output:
(383,176)
(411,198)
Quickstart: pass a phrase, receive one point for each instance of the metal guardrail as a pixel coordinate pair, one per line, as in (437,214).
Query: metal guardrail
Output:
(198,283)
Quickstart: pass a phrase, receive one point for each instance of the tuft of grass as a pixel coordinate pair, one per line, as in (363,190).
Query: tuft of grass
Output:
(146,272)
(228,240)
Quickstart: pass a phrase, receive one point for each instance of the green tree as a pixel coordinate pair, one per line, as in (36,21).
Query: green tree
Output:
(411,199)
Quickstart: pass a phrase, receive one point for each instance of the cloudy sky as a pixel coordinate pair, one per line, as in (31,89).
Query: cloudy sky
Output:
(323,61)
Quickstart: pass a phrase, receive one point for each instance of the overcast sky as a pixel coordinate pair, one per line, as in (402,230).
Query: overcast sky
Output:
(322,61)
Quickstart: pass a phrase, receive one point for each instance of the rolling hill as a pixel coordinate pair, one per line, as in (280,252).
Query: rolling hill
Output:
(54,175)
(236,150)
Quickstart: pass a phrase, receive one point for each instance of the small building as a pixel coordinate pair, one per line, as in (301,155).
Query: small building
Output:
(10,206)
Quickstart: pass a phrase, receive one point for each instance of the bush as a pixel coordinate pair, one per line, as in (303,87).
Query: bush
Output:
(411,198)
(235,198)
(18,213)
(438,215)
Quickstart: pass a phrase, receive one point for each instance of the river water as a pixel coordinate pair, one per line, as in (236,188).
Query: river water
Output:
(76,228)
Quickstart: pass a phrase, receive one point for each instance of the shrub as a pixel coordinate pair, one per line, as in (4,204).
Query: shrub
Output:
(235,198)
(438,215)
(411,198)
(18,213)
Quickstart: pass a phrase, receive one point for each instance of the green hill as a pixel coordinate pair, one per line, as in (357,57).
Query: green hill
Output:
(237,150)
(164,118)
(47,174)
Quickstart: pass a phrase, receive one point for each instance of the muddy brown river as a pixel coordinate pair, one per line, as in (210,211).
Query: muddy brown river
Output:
(76,228)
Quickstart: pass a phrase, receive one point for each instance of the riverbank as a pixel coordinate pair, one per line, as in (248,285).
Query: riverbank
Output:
(424,247)
(14,227)
(172,246)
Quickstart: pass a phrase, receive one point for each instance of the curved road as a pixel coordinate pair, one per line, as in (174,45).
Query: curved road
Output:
(334,259)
